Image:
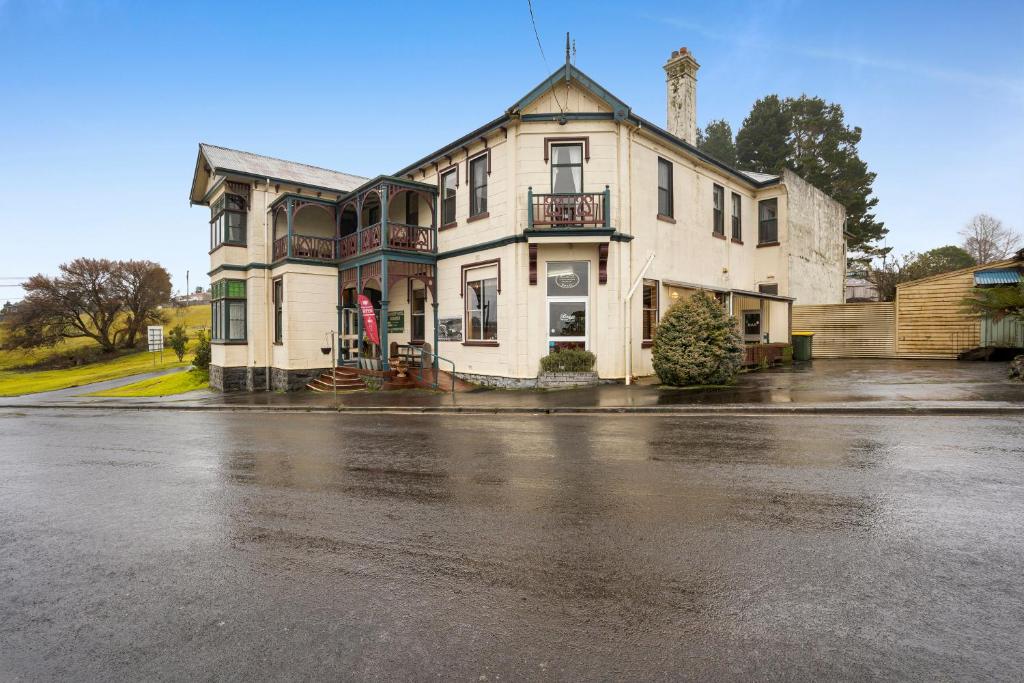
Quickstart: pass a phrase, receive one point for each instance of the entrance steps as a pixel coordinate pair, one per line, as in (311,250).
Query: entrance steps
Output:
(347,379)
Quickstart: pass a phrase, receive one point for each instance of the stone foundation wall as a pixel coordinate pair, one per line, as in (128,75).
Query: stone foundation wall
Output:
(293,380)
(565,380)
(499,382)
(256,379)
(229,379)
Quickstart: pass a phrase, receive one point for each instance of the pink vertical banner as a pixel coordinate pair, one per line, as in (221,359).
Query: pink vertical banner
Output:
(369,319)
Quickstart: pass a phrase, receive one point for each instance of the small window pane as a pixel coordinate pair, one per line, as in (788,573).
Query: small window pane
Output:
(567,319)
(236,289)
(567,154)
(236,320)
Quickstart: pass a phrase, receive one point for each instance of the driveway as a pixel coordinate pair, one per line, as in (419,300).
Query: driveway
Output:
(229,546)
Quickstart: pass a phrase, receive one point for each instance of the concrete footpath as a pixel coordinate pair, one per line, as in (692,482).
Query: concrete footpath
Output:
(821,387)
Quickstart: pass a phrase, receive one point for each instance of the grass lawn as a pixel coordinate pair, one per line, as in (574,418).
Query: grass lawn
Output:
(174,383)
(20,371)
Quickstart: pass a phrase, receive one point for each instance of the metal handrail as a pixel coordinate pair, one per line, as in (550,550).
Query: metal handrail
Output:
(423,365)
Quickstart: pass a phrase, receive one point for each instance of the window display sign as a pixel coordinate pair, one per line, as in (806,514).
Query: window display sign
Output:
(449,329)
(567,319)
(568,278)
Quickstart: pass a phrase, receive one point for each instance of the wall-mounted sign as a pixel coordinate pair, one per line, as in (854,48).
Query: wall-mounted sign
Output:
(396,321)
(449,329)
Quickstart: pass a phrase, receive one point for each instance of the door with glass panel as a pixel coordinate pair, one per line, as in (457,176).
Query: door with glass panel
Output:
(568,288)
(566,183)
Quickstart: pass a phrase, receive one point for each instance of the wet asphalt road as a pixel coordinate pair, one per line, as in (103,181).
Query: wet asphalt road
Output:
(236,546)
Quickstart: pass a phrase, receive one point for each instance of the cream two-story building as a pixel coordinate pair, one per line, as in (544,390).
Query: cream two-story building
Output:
(568,220)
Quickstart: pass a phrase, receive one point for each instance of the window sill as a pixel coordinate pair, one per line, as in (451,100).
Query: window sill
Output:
(480,343)
(479,217)
(230,343)
(736,241)
(280,343)
(767,244)
(667,219)
(647,343)
(716,235)
(453,224)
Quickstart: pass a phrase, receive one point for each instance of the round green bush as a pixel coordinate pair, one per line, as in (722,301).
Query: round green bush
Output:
(697,342)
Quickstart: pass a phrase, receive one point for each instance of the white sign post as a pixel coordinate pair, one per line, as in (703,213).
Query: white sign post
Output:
(155,336)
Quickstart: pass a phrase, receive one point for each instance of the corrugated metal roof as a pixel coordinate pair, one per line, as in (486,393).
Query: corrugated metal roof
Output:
(1002,276)
(759,177)
(223,159)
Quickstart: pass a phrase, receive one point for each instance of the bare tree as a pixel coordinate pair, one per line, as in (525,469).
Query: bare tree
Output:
(987,240)
(143,287)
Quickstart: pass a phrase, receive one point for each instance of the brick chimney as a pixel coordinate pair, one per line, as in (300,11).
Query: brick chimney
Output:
(681,83)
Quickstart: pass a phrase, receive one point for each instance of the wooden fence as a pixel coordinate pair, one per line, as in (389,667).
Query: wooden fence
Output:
(864,330)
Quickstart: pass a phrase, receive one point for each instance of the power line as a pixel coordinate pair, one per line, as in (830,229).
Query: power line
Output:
(536,34)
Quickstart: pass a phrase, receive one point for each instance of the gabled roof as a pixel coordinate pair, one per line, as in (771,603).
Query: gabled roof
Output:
(620,112)
(222,160)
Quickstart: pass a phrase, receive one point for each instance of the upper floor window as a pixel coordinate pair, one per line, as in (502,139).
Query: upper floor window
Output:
(768,221)
(478,186)
(227,220)
(650,309)
(719,218)
(228,314)
(772,288)
(665,194)
(737,221)
(567,168)
(449,183)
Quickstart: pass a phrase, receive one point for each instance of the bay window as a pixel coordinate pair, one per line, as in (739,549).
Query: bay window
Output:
(228,221)
(228,314)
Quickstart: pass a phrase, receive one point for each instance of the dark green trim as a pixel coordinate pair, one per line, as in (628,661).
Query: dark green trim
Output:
(469,137)
(206,198)
(482,246)
(621,237)
(620,110)
(411,184)
(302,197)
(391,254)
(255,265)
(643,123)
(570,116)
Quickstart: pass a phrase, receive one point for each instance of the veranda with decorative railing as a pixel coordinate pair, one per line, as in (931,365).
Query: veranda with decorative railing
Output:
(568,210)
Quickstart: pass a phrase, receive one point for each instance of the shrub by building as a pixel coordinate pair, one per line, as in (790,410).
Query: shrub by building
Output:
(697,342)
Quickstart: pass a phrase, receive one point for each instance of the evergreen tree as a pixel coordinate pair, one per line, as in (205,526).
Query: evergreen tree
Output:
(697,342)
(823,151)
(762,144)
(810,137)
(715,139)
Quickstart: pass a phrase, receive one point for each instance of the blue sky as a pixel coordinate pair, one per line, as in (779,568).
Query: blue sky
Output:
(104,101)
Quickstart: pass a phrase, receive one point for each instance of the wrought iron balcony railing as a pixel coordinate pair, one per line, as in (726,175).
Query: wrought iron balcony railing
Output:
(568,210)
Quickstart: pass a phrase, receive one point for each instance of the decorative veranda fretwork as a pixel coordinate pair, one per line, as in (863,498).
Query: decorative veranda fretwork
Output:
(241,189)
(424,272)
(411,237)
(369,238)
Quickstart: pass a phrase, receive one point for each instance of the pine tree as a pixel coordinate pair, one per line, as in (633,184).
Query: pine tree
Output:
(715,139)
(824,153)
(762,144)
(810,137)
(697,342)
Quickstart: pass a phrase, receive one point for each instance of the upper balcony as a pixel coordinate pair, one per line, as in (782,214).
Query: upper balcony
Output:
(384,214)
(568,211)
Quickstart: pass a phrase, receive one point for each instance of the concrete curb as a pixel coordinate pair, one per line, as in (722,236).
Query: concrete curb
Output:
(687,410)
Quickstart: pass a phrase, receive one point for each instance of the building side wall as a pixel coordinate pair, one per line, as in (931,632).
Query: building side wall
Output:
(814,243)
